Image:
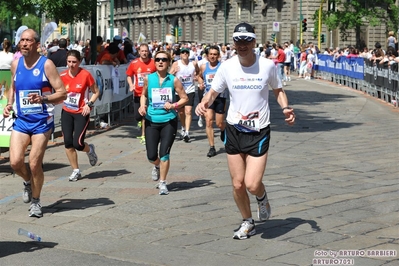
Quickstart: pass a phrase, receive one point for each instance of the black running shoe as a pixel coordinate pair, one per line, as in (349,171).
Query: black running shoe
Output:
(211,152)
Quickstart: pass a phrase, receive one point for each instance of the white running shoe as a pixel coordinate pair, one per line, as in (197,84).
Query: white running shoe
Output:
(155,173)
(92,155)
(200,122)
(264,210)
(246,230)
(75,176)
(163,189)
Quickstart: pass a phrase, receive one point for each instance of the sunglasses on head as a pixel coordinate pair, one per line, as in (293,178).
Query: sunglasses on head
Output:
(163,59)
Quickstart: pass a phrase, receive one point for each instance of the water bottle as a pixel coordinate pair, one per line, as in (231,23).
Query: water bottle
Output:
(29,234)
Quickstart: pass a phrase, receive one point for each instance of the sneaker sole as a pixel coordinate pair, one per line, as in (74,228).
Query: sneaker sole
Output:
(36,215)
(253,232)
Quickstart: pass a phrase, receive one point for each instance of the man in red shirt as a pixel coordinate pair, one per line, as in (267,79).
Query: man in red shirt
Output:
(280,63)
(139,69)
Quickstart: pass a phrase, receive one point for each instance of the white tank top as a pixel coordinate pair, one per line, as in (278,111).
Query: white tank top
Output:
(186,76)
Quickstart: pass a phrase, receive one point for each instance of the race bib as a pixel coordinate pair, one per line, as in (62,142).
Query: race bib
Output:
(72,101)
(140,79)
(248,123)
(186,80)
(27,107)
(160,96)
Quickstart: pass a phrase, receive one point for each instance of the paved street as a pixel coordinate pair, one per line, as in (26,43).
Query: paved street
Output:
(332,181)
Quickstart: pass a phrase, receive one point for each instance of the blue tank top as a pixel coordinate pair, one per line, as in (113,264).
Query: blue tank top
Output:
(208,76)
(157,96)
(32,81)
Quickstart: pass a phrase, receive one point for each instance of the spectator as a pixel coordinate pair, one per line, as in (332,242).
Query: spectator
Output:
(6,57)
(110,57)
(59,57)
(391,41)
(54,47)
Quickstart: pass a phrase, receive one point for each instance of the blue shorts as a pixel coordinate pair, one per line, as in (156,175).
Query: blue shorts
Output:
(33,128)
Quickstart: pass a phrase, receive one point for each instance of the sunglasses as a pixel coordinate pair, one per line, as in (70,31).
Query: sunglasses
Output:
(163,59)
(185,52)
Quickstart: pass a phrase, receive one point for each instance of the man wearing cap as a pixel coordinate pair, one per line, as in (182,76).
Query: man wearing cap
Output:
(247,134)
(185,71)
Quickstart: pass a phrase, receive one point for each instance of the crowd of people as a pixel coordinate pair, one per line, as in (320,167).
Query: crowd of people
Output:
(164,79)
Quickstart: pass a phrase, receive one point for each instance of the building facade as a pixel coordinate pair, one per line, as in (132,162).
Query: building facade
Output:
(209,21)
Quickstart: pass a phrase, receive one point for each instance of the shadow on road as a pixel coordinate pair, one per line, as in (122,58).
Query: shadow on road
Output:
(179,186)
(13,247)
(76,204)
(277,227)
(107,173)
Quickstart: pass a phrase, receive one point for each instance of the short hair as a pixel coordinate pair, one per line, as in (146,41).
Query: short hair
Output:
(213,47)
(165,53)
(62,43)
(36,36)
(74,53)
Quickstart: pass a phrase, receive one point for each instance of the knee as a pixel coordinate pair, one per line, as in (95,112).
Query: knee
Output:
(17,164)
(152,157)
(209,122)
(35,167)
(239,187)
(253,187)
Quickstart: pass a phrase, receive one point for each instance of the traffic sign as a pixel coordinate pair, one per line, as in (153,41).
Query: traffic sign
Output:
(276,26)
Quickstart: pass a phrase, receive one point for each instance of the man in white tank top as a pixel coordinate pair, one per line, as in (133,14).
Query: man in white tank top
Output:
(247,134)
(185,71)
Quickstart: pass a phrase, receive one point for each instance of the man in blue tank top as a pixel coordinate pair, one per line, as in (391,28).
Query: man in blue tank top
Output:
(34,80)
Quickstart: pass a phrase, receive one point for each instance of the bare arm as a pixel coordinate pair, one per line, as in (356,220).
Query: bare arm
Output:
(201,84)
(283,102)
(56,82)
(10,97)
(143,98)
(207,101)
(174,68)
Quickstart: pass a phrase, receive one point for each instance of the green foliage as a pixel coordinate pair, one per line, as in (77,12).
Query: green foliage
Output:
(68,11)
(356,13)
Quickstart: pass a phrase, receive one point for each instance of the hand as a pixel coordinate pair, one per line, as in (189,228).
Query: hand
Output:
(201,109)
(86,110)
(168,106)
(7,110)
(35,98)
(143,110)
(290,116)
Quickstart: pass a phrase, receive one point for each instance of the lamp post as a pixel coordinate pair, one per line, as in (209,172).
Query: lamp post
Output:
(111,23)
(163,20)
(225,22)
(130,19)
(300,24)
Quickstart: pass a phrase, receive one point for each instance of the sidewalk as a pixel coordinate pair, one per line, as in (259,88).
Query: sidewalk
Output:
(332,181)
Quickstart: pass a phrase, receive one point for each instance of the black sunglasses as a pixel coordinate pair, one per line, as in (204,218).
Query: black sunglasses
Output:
(185,52)
(163,59)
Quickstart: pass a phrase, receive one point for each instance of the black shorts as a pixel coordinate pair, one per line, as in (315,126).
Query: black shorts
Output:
(136,106)
(254,144)
(287,64)
(219,105)
(190,96)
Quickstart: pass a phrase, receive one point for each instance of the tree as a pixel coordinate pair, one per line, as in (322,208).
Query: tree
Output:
(68,11)
(350,15)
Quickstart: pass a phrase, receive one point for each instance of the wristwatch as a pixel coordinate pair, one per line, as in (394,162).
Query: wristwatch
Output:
(90,104)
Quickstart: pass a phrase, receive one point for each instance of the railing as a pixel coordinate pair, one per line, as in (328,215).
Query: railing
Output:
(378,80)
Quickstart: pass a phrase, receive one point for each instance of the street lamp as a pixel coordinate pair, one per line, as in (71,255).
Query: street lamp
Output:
(225,21)
(129,21)
(111,23)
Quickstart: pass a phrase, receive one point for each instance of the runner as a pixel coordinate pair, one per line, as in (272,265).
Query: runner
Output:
(139,68)
(75,116)
(247,77)
(34,79)
(186,71)
(207,73)
(161,116)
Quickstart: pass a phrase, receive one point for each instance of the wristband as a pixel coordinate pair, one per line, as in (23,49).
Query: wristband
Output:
(176,106)
(287,107)
(90,104)
(44,99)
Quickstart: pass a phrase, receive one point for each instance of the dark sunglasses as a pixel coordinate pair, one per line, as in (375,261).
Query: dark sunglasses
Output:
(163,59)
(185,52)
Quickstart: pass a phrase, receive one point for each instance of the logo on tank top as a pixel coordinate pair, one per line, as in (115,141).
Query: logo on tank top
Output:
(36,72)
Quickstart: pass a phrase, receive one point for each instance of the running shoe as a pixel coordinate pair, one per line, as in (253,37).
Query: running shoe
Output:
(182,133)
(142,140)
(75,176)
(27,193)
(35,209)
(186,137)
(163,189)
(92,155)
(139,124)
(264,210)
(211,152)
(155,173)
(200,122)
(246,230)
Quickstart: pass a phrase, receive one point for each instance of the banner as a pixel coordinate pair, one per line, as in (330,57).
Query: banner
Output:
(48,29)
(5,123)
(352,67)
(141,38)
(19,33)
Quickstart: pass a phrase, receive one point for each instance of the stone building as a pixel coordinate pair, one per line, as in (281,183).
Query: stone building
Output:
(209,21)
